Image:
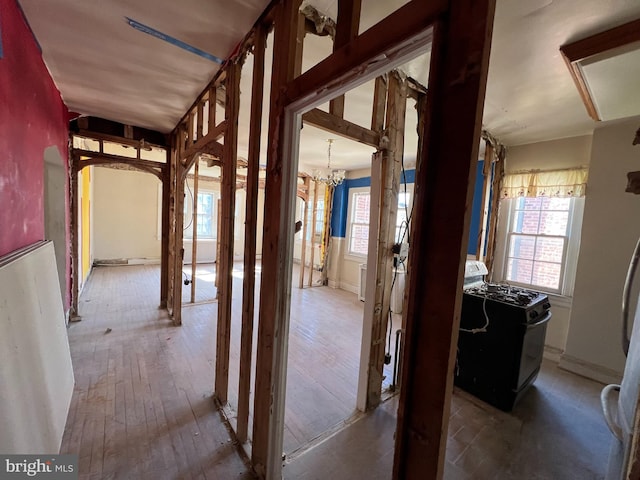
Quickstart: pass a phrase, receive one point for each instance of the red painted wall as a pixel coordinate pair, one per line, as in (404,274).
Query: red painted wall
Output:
(32,118)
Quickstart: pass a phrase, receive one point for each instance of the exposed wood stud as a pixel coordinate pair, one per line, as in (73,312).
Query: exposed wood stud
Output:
(379,104)
(498,175)
(225,261)
(457,82)
(277,248)
(251,225)
(75,261)
(190,130)
(164,246)
(208,141)
(173,158)
(305,226)
(212,108)
(179,246)
(314,215)
(390,171)
(333,124)
(218,244)
(486,195)
(347,26)
(194,231)
(200,120)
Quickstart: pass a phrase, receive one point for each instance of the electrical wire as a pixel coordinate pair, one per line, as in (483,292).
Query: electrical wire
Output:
(482,329)
(190,216)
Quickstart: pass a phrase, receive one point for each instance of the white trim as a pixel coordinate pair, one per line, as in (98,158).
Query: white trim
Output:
(589,370)
(348,254)
(348,287)
(552,353)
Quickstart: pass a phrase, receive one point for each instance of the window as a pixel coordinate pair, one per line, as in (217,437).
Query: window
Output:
(538,239)
(359,207)
(206,218)
(359,223)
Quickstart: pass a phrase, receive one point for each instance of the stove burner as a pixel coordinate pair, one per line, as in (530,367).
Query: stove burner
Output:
(505,293)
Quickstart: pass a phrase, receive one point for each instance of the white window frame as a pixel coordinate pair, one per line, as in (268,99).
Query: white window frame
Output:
(350,212)
(188,216)
(570,254)
(355,190)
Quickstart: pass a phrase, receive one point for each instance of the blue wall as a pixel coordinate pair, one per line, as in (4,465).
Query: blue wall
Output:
(341,204)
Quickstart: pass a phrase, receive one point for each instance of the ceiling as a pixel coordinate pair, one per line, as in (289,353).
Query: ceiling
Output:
(105,67)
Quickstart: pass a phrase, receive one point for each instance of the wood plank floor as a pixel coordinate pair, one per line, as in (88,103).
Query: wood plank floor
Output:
(555,433)
(142,403)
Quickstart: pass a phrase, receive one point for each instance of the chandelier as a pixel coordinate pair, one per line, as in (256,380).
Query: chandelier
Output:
(328,176)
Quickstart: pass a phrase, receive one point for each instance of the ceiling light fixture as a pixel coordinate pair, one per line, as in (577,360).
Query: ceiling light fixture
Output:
(327,176)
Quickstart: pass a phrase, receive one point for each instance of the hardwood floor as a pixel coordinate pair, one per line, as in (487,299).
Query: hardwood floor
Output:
(142,403)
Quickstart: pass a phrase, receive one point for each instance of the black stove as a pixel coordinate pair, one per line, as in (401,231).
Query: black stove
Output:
(501,342)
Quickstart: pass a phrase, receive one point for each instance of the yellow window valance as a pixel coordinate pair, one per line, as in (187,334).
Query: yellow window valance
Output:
(546,183)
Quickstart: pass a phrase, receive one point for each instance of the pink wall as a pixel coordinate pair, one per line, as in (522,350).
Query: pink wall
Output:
(32,118)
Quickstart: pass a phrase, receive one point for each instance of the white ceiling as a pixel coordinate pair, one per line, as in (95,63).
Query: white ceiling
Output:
(104,67)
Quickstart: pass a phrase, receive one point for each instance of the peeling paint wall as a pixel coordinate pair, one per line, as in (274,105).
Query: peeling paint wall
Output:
(32,118)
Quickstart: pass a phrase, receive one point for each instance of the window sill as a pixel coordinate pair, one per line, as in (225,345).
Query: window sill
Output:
(560,300)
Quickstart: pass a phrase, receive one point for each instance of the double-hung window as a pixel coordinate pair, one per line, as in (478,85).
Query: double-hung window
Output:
(538,240)
(205,221)
(359,223)
(359,212)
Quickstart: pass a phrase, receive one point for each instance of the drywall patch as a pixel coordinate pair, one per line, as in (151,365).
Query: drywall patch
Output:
(172,40)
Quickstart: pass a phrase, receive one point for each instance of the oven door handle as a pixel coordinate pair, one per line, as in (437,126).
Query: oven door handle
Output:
(545,319)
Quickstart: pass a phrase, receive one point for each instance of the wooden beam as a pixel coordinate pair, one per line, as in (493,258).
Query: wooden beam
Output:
(164,245)
(200,120)
(347,26)
(305,226)
(379,104)
(208,142)
(440,228)
(314,215)
(218,244)
(380,265)
(194,234)
(486,195)
(225,262)
(75,261)
(403,31)
(250,234)
(211,123)
(95,158)
(179,245)
(332,124)
(277,252)
(173,159)
(498,175)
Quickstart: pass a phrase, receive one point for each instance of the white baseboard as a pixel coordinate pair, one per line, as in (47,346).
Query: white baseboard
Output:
(127,261)
(334,284)
(590,370)
(552,353)
(349,287)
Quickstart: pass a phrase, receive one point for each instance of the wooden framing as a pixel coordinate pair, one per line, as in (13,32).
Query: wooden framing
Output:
(164,245)
(305,226)
(194,223)
(225,261)
(573,53)
(385,182)
(498,175)
(179,174)
(347,25)
(486,195)
(251,224)
(75,261)
(314,216)
(334,124)
(449,136)
(455,99)
(379,104)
